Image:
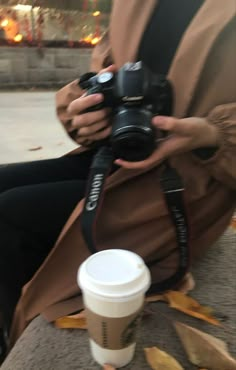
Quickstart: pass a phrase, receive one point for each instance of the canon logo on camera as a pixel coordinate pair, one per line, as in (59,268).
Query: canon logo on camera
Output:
(94,193)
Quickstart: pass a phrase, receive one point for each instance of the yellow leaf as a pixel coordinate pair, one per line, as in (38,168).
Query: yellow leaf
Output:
(77,321)
(187,284)
(204,350)
(80,315)
(190,306)
(160,360)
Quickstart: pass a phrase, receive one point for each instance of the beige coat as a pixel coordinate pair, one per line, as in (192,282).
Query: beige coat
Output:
(134,215)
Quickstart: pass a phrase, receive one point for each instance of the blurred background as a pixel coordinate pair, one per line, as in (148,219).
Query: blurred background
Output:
(48,42)
(44,44)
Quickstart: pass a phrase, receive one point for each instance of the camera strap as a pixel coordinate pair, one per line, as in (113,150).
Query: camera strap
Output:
(173,190)
(99,170)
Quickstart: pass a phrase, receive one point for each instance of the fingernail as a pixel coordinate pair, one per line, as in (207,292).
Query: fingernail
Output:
(160,119)
(98,98)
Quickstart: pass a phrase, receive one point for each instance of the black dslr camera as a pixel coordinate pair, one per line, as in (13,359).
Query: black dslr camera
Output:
(135,95)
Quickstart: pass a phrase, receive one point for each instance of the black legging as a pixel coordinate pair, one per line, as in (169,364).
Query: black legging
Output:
(36,199)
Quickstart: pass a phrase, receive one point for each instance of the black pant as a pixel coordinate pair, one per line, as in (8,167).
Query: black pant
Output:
(36,199)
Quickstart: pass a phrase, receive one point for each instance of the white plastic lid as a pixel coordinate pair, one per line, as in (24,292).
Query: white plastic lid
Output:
(114,273)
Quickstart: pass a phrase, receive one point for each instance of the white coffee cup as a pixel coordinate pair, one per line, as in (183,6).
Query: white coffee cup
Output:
(113,283)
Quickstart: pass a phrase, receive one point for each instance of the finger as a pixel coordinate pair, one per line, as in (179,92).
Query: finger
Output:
(165,123)
(185,126)
(112,68)
(101,135)
(136,165)
(94,137)
(90,130)
(84,141)
(166,149)
(131,165)
(90,118)
(84,102)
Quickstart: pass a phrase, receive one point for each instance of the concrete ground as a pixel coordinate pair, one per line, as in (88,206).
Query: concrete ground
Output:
(28,121)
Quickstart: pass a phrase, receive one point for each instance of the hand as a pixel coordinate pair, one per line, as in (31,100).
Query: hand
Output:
(184,135)
(91,126)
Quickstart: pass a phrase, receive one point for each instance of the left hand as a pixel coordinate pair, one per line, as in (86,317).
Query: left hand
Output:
(184,135)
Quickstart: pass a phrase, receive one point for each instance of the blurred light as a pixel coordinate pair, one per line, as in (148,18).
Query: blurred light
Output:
(18,38)
(5,23)
(23,7)
(95,40)
(97,13)
(87,39)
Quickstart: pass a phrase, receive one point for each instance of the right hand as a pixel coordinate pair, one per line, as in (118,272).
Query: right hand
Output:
(90,126)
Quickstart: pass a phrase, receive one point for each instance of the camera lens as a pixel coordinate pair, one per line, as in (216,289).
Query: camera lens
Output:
(132,137)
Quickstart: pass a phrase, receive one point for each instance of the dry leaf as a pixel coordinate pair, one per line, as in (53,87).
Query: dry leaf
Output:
(160,360)
(205,350)
(190,306)
(186,304)
(77,321)
(108,367)
(35,148)
(80,315)
(187,284)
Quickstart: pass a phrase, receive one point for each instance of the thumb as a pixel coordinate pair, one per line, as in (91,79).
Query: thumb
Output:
(112,68)
(165,123)
(184,126)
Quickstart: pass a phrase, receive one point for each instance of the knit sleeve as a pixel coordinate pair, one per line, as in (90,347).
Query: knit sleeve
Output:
(222,164)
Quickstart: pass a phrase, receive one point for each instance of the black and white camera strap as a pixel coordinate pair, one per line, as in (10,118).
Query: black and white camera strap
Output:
(173,191)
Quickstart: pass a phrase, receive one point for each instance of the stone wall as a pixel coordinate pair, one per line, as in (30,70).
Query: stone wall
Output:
(47,67)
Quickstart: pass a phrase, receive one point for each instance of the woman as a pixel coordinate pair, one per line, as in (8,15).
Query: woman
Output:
(194,45)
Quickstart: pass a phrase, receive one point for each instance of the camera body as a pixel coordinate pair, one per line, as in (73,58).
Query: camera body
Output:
(135,95)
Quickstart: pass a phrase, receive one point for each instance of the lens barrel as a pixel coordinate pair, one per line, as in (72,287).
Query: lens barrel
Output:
(132,136)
